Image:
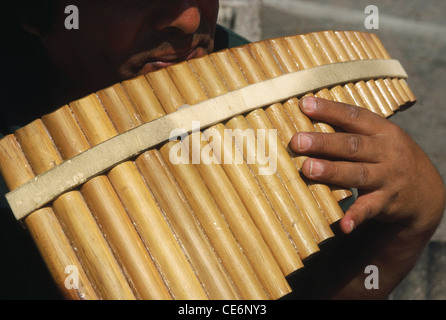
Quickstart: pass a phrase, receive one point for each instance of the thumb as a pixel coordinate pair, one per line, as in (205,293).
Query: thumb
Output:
(366,206)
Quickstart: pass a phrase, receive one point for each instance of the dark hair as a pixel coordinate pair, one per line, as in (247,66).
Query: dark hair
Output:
(22,59)
(14,13)
(38,14)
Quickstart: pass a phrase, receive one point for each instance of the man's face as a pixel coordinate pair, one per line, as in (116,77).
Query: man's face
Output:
(118,40)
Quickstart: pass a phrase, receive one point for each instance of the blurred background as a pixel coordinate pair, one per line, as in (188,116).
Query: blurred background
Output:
(414,32)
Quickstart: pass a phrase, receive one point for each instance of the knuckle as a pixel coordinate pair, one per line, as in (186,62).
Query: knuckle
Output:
(353,113)
(353,145)
(323,141)
(362,176)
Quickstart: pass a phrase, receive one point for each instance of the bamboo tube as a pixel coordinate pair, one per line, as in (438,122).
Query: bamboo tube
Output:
(371,84)
(217,230)
(291,59)
(290,214)
(281,202)
(322,193)
(140,205)
(300,121)
(318,58)
(397,87)
(202,257)
(109,212)
(280,119)
(341,55)
(247,186)
(75,216)
(312,42)
(373,53)
(400,84)
(171,202)
(305,201)
(226,197)
(288,64)
(342,94)
(346,48)
(201,201)
(298,53)
(143,99)
(334,52)
(168,195)
(45,228)
(248,236)
(291,107)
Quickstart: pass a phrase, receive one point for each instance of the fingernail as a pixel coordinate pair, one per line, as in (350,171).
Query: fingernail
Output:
(309,104)
(352,225)
(304,141)
(316,168)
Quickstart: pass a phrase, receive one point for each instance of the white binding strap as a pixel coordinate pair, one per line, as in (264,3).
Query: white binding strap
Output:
(70,174)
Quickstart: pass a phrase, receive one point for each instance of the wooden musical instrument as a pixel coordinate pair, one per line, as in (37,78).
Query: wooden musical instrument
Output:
(122,209)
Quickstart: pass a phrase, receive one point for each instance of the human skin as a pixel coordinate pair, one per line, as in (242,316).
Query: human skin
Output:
(399,189)
(401,195)
(119,40)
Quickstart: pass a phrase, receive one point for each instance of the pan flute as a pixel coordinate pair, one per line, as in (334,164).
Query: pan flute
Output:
(122,204)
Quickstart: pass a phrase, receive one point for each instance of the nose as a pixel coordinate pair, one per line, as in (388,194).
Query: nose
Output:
(182,15)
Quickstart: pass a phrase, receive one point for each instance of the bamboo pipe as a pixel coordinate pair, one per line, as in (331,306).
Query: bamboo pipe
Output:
(369,51)
(342,55)
(301,122)
(245,230)
(341,94)
(167,194)
(333,53)
(318,58)
(201,201)
(400,84)
(288,65)
(298,53)
(299,191)
(45,227)
(76,217)
(373,53)
(322,193)
(281,201)
(109,212)
(360,87)
(247,183)
(393,85)
(248,236)
(290,215)
(343,47)
(140,205)
(202,257)
(358,51)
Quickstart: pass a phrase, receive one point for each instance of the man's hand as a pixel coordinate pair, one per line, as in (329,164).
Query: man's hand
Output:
(400,193)
(396,180)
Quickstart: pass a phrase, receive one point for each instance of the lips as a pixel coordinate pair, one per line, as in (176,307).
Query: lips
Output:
(168,59)
(178,56)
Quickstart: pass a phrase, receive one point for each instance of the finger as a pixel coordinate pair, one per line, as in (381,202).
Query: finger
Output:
(349,118)
(346,146)
(343,173)
(366,207)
